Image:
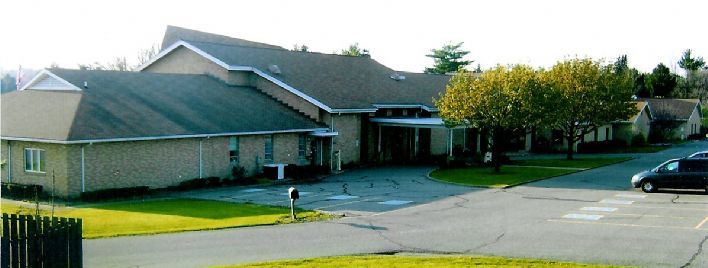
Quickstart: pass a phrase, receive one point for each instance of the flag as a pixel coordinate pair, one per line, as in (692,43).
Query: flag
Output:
(18,78)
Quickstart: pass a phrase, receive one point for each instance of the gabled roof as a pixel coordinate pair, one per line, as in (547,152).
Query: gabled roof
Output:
(141,106)
(642,107)
(672,109)
(331,82)
(338,82)
(174,34)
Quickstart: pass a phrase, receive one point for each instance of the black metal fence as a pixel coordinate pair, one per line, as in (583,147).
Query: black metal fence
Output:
(29,241)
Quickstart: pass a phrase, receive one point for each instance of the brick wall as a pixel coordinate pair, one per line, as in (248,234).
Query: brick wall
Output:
(438,141)
(55,162)
(348,140)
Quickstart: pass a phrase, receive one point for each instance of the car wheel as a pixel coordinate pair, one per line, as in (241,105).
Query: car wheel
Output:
(648,186)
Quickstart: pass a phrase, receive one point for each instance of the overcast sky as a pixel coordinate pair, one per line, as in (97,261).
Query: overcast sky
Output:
(398,34)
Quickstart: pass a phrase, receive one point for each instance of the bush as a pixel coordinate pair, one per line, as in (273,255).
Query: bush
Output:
(600,146)
(20,191)
(114,193)
(193,184)
(696,137)
(213,181)
(639,140)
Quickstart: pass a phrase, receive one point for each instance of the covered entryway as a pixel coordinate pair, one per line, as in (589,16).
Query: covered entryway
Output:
(405,140)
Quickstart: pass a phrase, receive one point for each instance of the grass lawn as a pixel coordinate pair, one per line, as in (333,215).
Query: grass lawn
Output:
(526,171)
(165,216)
(416,261)
(575,163)
(486,177)
(638,149)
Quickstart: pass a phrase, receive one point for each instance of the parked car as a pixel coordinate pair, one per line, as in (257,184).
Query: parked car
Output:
(683,173)
(701,154)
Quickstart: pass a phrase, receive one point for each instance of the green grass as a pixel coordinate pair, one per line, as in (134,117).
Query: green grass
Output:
(575,163)
(416,261)
(524,171)
(638,149)
(166,216)
(486,177)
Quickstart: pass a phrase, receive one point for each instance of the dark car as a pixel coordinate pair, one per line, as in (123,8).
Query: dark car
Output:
(684,173)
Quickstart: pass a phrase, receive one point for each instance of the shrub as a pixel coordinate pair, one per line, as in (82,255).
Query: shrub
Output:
(639,140)
(114,193)
(213,181)
(20,191)
(600,146)
(696,137)
(193,184)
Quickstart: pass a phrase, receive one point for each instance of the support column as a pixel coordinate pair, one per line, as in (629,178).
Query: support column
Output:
(200,159)
(449,139)
(479,139)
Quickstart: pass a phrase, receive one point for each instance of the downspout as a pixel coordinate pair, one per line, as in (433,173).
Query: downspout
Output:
(449,137)
(200,158)
(83,178)
(9,162)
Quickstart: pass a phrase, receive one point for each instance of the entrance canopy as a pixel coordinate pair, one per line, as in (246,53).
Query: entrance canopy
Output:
(433,122)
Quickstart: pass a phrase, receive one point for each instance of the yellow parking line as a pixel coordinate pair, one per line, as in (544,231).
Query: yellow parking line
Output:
(701,224)
(625,224)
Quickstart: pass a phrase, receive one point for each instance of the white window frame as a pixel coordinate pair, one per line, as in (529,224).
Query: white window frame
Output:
(302,146)
(235,141)
(267,153)
(39,167)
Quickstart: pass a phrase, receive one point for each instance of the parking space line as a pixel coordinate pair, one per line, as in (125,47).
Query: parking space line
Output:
(590,217)
(631,195)
(624,224)
(649,215)
(676,208)
(701,224)
(346,203)
(616,201)
(601,209)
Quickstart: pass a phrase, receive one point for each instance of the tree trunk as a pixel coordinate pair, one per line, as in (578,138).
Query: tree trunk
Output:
(498,138)
(571,139)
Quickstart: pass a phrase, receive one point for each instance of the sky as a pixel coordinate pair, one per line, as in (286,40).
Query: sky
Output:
(39,33)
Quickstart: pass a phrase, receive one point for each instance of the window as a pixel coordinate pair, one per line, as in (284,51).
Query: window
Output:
(269,148)
(233,150)
(302,146)
(671,167)
(34,160)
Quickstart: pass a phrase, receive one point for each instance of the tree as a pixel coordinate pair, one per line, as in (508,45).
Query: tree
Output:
(146,55)
(500,99)
(448,59)
(694,86)
(355,51)
(7,83)
(642,87)
(690,64)
(301,48)
(118,64)
(662,82)
(621,64)
(586,95)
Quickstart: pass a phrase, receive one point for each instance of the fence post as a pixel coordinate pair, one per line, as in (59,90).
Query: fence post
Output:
(48,242)
(15,256)
(5,247)
(78,244)
(22,237)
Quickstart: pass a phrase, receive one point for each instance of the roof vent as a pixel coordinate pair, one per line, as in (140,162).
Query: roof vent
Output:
(398,77)
(274,69)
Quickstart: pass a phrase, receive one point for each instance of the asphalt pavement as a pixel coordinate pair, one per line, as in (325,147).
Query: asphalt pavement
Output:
(591,216)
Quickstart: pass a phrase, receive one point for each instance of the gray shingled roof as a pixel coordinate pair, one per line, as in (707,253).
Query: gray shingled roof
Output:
(340,82)
(671,109)
(174,34)
(132,105)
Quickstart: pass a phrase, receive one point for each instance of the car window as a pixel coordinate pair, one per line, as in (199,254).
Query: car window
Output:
(670,167)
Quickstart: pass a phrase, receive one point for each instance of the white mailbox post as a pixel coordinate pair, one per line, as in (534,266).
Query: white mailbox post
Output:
(294,195)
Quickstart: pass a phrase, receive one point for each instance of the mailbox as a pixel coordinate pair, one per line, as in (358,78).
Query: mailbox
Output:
(293,193)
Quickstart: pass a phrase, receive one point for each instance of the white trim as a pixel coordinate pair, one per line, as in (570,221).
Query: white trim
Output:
(285,86)
(186,45)
(324,134)
(349,111)
(39,163)
(165,137)
(42,74)
(404,106)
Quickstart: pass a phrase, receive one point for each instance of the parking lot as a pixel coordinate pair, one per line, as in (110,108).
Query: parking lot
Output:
(676,211)
(358,192)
